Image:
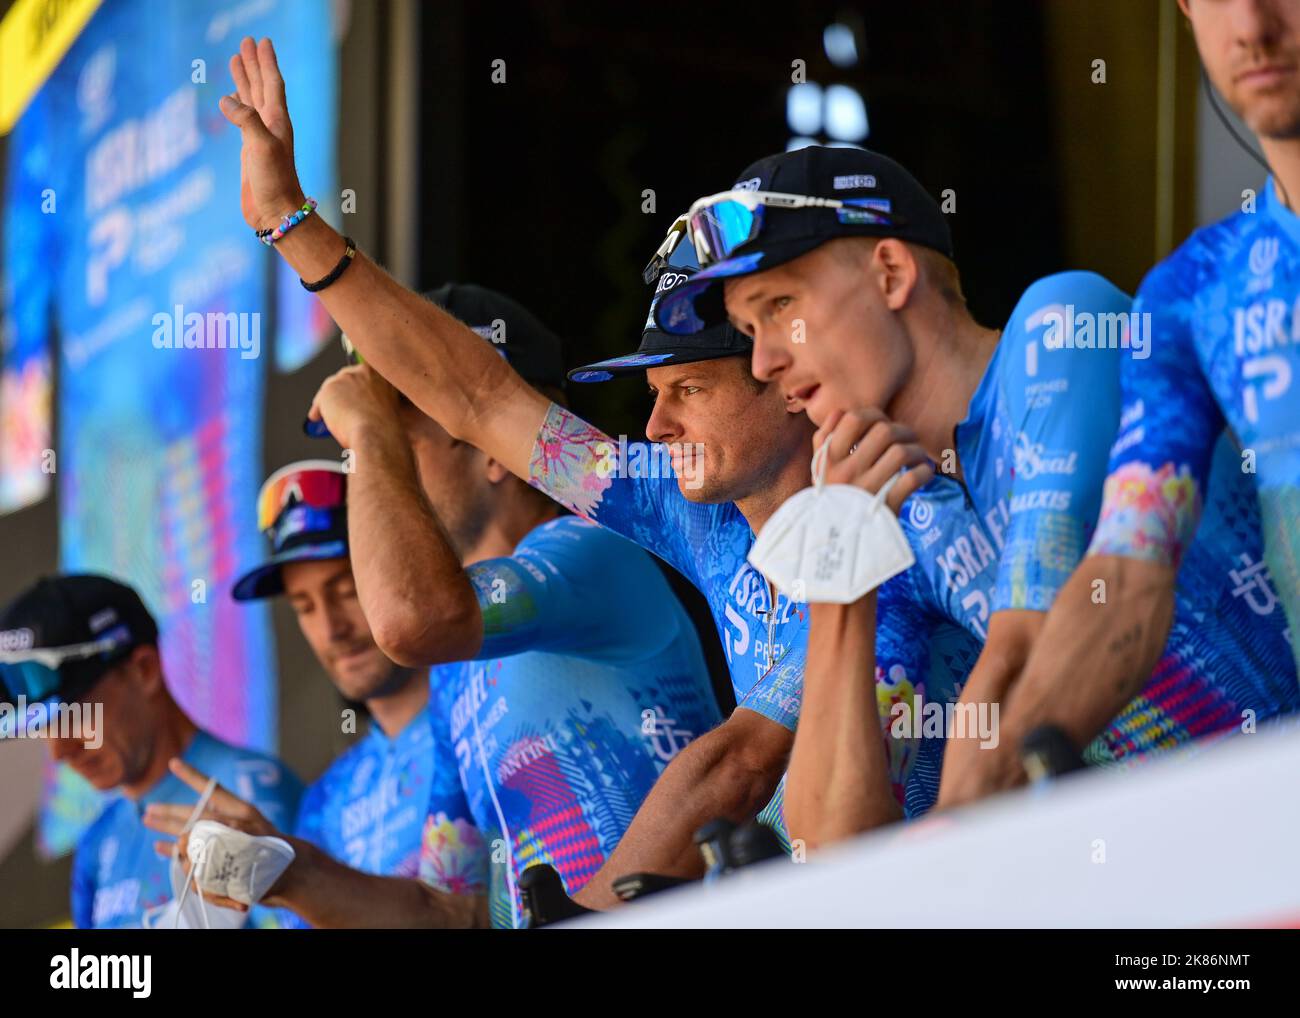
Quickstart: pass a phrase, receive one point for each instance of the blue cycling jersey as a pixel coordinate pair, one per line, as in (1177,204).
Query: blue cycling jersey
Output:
(921,648)
(368,809)
(117,875)
(1034,452)
(589,681)
(1222,314)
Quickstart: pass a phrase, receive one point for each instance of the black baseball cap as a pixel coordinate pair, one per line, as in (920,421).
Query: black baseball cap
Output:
(896,206)
(58,637)
(516,333)
(659,347)
(302,509)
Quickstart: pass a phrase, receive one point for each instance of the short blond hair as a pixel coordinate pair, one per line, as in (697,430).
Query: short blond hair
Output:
(937,269)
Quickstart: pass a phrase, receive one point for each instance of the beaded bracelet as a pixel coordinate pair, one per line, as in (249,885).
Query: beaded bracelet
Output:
(269,237)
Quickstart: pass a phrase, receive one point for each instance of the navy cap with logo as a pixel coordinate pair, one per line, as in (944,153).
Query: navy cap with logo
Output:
(518,335)
(302,509)
(658,347)
(63,633)
(864,193)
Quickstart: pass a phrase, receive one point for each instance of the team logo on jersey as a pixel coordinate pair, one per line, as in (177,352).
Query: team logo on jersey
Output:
(1263,255)
(1033,460)
(1275,373)
(920,513)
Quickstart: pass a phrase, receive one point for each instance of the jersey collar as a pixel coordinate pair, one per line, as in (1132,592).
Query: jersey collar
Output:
(417,725)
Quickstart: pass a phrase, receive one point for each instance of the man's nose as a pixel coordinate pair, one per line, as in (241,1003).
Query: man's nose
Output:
(338,625)
(769,359)
(662,425)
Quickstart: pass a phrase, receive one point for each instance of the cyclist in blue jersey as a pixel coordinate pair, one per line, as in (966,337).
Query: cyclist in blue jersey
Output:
(368,808)
(567,674)
(838,264)
(758,453)
(1224,326)
(88,643)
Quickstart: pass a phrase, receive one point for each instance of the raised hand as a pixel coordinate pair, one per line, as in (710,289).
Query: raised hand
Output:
(353,397)
(269,188)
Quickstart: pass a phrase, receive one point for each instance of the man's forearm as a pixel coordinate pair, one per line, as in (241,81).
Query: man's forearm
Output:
(439,363)
(710,778)
(1097,648)
(838,783)
(330,895)
(419,603)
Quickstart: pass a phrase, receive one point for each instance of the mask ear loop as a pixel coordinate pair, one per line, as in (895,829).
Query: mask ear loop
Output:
(819,464)
(883,493)
(199,807)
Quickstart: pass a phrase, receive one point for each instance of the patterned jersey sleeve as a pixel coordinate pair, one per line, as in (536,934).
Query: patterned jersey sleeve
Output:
(1161,457)
(573,588)
(1062,400)
(453,853)
(626,487)
(902,666)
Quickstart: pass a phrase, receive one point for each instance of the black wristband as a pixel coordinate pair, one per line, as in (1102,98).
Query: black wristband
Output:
(344,262)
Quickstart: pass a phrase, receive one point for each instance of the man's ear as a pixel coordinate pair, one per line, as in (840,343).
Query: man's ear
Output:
(495,471)
(144,671)
(896,272)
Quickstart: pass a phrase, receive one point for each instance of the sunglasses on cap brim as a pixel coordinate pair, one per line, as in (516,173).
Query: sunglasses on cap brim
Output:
(721,223)
(34,674)
(318,484)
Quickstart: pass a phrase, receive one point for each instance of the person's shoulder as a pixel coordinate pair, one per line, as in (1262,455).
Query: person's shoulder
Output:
(1080,288)
(222,759)
(1202,257)
(575,537)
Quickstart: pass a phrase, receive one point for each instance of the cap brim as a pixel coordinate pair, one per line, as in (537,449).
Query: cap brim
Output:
(697,304)
(603,371)
(266,581)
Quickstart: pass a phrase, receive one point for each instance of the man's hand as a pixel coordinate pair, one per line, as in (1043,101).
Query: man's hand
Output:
(352,398)
(866,449)
(224,807)
(269,188)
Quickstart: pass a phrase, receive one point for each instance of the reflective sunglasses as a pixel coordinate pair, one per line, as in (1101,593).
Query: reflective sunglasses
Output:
(317,484)
(721,223)
(34,673)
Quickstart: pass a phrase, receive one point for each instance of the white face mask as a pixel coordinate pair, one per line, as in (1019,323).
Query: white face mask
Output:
(185,911)
(831,543)
(236,865)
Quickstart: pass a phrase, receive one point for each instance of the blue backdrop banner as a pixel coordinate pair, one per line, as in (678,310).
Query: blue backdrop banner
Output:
(123,237)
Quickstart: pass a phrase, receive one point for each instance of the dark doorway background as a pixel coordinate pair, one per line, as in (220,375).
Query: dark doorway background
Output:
(604,101)
(536,185)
